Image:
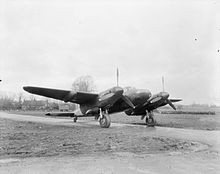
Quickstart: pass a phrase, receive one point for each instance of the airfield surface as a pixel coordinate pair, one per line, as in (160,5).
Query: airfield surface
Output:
(39,144)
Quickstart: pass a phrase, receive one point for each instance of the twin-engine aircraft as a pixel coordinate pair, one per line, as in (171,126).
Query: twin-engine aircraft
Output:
(134,102)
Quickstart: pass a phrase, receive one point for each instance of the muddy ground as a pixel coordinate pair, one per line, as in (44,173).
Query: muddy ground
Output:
(28,139)
(127,139)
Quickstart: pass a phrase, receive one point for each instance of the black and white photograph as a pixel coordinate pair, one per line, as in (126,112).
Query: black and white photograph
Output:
(110,86)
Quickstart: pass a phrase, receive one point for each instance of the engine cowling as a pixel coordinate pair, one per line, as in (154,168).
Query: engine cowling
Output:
(131,112)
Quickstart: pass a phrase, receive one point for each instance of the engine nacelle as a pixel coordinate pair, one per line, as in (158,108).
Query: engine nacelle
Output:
(128,112)
(93,111)
(131,112)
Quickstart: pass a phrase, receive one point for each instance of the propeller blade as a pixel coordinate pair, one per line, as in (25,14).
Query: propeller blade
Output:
(175,100)
(163,83)
(128,102)
(171,104)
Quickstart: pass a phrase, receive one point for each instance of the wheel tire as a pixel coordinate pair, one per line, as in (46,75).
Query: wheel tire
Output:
(146,120)
(150,122)
(105,122)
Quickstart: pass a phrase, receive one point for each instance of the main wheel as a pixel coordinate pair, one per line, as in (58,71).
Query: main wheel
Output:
(150,121)
(146,120)
(105,122)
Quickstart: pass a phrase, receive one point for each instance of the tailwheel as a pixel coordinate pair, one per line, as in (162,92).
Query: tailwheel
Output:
(105,121)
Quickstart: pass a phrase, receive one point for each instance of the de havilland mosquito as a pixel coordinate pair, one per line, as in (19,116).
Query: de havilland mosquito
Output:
(134,102)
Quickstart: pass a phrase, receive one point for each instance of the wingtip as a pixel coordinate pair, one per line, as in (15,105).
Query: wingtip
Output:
(27,88)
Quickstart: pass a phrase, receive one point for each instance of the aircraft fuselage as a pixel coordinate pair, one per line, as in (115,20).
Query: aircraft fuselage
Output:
(110,100)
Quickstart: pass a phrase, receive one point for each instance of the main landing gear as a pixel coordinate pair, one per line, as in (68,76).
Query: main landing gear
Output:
(150,121)
(104,119)
(75,119)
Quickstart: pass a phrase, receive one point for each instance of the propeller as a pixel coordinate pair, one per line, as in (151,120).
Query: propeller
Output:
(171,104)
(163,83)
(117,74)
(167,100)
(128,101)
(124,98)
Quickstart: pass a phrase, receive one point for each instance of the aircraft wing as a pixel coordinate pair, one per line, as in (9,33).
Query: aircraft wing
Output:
(64,95)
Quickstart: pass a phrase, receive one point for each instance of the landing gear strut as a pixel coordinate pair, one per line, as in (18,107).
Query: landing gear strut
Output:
(104,119)
(150,121)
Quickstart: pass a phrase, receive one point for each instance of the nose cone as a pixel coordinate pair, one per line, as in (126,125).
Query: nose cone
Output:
(118,90)
(165,95)
(148,93)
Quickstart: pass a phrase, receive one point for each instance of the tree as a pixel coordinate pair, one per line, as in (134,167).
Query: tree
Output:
(20,97)
(32,98)
(7,103)
(84,84)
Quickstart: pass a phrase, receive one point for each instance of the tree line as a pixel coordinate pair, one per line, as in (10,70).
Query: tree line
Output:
(20,102)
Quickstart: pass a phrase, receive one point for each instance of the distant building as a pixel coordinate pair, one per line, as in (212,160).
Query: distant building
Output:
(34,105)
(39,105)
(64,107)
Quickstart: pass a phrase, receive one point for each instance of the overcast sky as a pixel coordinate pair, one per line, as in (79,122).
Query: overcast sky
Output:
(50,43)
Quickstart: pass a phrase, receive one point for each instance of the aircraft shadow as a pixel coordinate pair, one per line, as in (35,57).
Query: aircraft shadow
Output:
(142,124)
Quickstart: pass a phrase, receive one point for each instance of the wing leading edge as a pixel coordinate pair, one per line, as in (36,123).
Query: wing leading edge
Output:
(64,95)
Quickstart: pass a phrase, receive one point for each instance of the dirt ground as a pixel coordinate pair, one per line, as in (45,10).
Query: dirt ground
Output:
(33,144)
(21,139)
